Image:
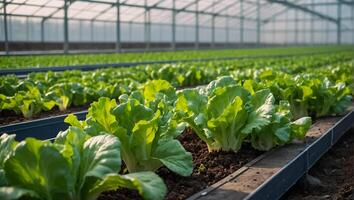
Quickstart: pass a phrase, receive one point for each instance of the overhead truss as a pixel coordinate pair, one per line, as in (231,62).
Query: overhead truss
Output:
(304,9)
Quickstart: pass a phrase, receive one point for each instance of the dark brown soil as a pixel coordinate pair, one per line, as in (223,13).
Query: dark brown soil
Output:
(335,170)
(10,117)
(208,169)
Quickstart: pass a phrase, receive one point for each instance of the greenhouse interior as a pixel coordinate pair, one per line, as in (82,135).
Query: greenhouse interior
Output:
(177,99)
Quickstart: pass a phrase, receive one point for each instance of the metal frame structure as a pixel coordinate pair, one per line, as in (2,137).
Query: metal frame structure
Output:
(239,12)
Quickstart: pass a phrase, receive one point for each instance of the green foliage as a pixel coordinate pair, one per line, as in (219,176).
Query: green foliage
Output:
(224,114)
(76,166)
(44,91)
(65,60)
(144,125)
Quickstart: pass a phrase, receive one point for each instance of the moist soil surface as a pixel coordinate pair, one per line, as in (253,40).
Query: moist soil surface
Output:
(208,169)
(10,117)
(333,174)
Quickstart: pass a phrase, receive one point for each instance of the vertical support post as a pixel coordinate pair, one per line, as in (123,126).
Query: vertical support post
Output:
(286,29)
(196,44)
(227,31)
(130,31)
(258,23)
(149,29)
(147,26)
(312,33)
(241,21)
(213,25)
(27,29)
(66,28)
(91,30)
(118,42)
(273,32)
(80,30)
(42,30)
(173,44)
(296,27)
(327,28)
(353,19)
(339,24)
(213,31)
(5,29)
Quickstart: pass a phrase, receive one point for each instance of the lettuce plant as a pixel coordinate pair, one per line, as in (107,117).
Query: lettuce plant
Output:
(159,95)
(146,144)
(75,167)
(307,94)
(224,114)
(281,130)
(26,103)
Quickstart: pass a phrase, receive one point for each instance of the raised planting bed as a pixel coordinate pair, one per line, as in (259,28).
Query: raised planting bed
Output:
(88,67)
(248,174)
(273,173)
(331,177)
(44,128)
(208,168)
(8,117)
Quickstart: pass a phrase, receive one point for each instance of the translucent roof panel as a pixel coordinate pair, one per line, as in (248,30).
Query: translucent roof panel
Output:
(55,3)
(182,3)
(135,2)
(166,4)
(161,10)
(185,18)
(205,20)
(45,11)
(161,16)
(24,10)
(220,7)
(206,5)
(38,3)
(132,14)
(232,9)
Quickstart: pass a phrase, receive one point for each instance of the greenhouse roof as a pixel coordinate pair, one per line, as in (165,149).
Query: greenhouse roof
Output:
(160,10)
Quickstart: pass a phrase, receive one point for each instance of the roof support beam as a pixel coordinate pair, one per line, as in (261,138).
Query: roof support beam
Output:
(213,4)
(39,17)
(227,7)
(347,2)
(124,3)
(222,10)
(304,9)
(187,6)
(275,15)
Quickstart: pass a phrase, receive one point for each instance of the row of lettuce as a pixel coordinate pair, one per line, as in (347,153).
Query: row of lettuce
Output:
(140,129)
(71,60)
(46,91)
